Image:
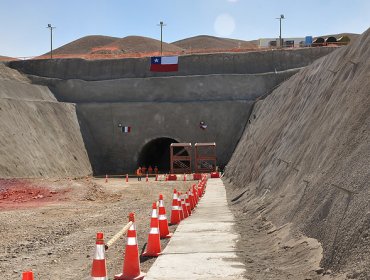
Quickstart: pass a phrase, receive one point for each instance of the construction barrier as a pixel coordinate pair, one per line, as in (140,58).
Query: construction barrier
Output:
(119,234)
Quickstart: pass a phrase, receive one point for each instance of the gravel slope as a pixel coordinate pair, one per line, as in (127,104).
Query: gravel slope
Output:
(304,158)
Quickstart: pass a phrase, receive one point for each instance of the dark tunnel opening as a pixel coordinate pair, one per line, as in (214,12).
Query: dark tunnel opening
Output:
(156,153)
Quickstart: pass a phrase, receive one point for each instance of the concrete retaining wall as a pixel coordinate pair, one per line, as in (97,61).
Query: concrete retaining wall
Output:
(13,85)
(202,64)
(184,88)
(39,137)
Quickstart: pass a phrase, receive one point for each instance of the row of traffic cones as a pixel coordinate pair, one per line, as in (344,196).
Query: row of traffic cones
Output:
(131,263)
(126,178)
(146,177)
(182,206)
(131,266)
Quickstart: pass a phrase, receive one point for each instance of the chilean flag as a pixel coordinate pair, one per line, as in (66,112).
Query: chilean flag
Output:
(164,64)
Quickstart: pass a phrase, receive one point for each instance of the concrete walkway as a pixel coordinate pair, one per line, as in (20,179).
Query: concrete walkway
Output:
(204,245)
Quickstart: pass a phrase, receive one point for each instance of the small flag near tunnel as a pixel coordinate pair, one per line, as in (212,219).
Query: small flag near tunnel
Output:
(164,64)
(126,129)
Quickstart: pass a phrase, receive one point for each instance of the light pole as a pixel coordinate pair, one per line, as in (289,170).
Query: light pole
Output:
(280,40)
(51,39)
(161,24)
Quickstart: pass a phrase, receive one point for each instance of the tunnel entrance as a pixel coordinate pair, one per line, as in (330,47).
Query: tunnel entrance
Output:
(157,153)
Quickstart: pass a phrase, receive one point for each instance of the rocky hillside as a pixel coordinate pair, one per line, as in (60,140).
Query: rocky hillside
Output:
(6,58)
(304,158)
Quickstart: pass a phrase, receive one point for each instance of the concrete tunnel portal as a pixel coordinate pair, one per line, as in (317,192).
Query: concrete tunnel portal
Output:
(156,153)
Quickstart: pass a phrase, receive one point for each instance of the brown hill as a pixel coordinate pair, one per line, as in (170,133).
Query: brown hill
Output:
(6,58)
(304,162)
(211,42)
(140,44)
(84,45)
(103,46)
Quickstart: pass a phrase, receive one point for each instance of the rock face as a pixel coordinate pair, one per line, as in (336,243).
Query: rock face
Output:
(39,137)
(306,154)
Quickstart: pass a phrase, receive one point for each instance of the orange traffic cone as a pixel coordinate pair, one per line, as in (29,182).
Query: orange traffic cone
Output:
(191,200)
(183,206)
(184,177)
(195,193)
(200,190)
(182,216)
(187,202)
(27,275)
(175,212)
(131,263)
(126,178)
(99,268)
(163,223)
(153,247)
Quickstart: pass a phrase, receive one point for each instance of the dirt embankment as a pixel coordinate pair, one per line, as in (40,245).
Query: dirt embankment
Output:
(304,161)
(39,137)
(50,226)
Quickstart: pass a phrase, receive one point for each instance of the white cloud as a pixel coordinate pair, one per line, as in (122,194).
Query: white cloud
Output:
(224,25)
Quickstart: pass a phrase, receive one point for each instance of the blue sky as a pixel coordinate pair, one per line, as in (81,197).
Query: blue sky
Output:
(23,31)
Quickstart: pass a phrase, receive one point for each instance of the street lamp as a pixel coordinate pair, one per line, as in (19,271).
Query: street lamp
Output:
(51,39)
(280,40)
(161,24)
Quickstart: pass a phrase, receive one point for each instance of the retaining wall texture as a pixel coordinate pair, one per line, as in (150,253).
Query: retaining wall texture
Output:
(39,137)
(216,88)
(202,64)
(164,89)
